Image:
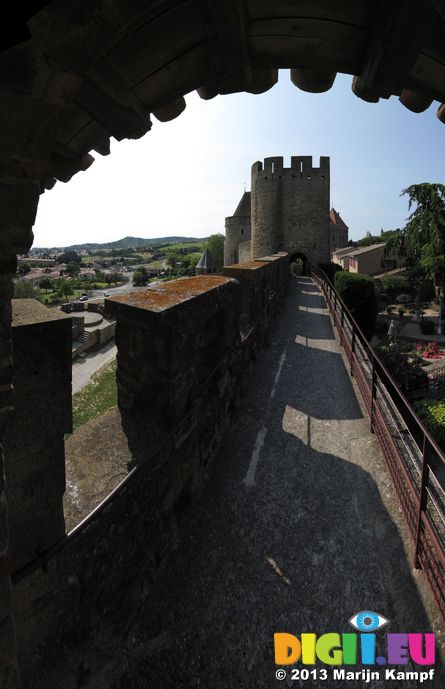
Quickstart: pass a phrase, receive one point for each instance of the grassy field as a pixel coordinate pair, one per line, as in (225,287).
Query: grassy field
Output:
(201,243)
(97,258)
(97,397)
(47,296)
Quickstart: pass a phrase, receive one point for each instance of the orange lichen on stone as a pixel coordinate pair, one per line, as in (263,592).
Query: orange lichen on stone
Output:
(169,294)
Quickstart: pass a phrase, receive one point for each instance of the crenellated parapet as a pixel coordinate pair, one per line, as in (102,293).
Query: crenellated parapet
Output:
(290,207)
(301,167)
(183,347)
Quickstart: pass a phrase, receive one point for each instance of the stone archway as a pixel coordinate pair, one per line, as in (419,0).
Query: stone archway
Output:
(298,263)
(90,72)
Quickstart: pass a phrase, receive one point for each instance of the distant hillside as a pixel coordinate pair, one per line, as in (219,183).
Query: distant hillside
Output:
(126,243)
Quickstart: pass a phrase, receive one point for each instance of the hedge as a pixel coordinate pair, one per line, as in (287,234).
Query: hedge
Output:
(358,293)
(331,269)
(432,413)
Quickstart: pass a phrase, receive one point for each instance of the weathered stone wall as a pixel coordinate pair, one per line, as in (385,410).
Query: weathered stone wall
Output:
(180,364)
(169,341)
(34,442)
(80,77)
(9,674)
(252,277)
(244,251)
(290,208)
(237,231)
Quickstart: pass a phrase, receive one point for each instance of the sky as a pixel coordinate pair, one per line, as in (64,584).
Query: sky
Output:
(185,176)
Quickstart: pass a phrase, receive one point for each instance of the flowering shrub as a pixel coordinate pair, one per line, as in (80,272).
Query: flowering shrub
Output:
(429,351)
(432,413)
(404,366)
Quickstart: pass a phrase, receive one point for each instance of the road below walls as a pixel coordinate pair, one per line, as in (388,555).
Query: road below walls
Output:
(83,368)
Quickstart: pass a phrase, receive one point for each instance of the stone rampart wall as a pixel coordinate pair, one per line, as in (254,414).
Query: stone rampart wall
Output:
(181,360)
(34,441)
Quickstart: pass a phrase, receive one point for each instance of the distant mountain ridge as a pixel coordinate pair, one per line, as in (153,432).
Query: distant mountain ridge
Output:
(126,243)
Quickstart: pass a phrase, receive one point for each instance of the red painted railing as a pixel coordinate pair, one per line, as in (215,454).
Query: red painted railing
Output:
(415,461)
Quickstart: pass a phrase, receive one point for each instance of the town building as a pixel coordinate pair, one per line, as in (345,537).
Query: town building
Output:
(370,260)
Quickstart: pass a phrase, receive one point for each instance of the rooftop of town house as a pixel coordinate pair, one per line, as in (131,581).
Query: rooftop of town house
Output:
(362,249)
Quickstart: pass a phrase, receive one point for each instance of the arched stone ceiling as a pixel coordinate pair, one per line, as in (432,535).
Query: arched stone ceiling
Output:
(95,70)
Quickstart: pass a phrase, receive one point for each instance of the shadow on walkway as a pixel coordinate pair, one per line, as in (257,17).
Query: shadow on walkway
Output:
(291,533)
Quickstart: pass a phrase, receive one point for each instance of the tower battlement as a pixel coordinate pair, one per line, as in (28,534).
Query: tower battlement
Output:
(289,211)
(301,167)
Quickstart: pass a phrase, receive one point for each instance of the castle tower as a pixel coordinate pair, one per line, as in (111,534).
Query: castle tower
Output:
(237,244)
(290,208)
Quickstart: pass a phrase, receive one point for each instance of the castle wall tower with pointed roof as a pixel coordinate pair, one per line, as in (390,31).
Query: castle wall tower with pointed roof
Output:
(238,231)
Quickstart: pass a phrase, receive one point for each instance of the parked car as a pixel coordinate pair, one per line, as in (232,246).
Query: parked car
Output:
(84,297)
(106,294)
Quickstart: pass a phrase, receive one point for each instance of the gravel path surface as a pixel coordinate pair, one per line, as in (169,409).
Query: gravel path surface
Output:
(297,529)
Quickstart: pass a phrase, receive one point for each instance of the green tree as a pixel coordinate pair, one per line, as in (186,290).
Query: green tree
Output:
(422,240)
(215,244)
(46,284)
(73,268)
(24,269)
(69,257)
(140,277)
(188,265)
(24,290)
(172,261)
(65,289)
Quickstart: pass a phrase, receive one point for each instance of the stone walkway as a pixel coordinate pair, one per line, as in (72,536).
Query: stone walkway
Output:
(296,530)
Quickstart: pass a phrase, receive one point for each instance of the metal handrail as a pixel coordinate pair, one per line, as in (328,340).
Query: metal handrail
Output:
(423,492)
(378,361)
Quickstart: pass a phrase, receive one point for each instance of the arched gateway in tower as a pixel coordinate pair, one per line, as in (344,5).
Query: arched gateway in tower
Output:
(289,211)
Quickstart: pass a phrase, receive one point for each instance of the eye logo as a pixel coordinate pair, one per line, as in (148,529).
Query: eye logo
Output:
(367,621)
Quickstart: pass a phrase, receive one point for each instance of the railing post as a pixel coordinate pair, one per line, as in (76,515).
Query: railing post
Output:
(352,349)
(422,496)
(373,392)
(342,320)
